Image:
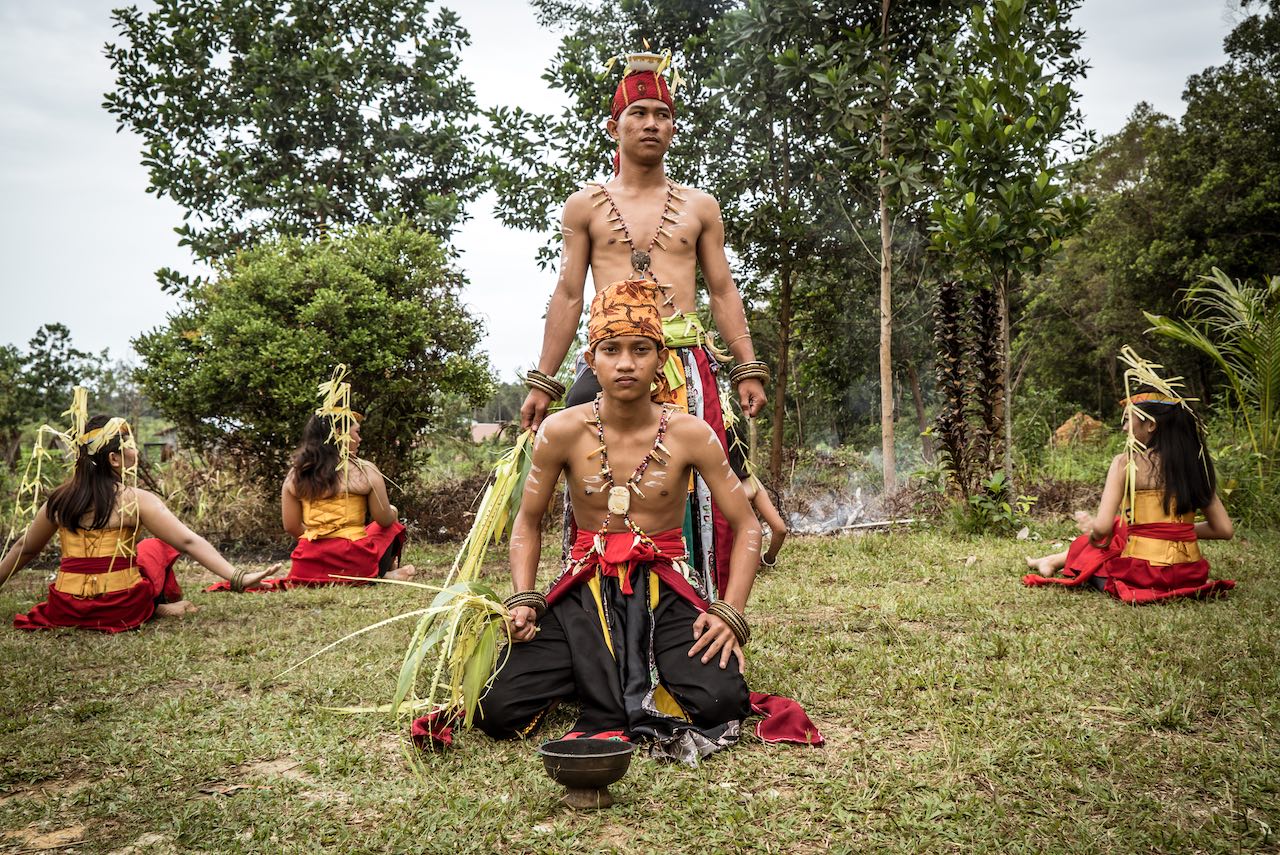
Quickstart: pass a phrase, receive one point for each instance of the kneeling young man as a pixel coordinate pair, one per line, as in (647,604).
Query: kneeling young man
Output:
(627,629)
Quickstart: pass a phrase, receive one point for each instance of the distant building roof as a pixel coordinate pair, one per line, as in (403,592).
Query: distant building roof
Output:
(480,431)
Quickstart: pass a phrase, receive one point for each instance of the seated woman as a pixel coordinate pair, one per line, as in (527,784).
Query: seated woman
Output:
(109,580)
(325,506)
(1151,553)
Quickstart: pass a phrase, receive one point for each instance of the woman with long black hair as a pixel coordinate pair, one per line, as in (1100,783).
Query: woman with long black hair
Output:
(325,502)
(1150,552)
(109,579)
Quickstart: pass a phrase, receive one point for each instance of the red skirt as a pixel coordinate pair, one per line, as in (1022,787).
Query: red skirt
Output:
(1135,580)
(119,610)
(317,562)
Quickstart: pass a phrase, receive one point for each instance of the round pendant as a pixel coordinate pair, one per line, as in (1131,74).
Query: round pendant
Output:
(619,500)
(640,261)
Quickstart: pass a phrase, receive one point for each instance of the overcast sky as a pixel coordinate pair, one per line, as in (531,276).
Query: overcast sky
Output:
(80,238)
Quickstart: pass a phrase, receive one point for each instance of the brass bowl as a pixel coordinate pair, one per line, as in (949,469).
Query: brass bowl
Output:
(586,768)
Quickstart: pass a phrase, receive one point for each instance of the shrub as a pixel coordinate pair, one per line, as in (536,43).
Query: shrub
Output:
(237,369)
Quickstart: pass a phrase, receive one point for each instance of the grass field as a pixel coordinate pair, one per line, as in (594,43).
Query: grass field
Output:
(962,712)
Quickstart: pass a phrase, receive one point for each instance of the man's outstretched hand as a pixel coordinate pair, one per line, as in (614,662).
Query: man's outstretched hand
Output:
(534,409)
(714,638)
(751,397)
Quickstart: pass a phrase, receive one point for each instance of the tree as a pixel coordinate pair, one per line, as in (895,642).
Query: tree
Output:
(289,117)
(1003,209)
(776,211)
(51,366)
(877,71)
(13,403)
(1174,200)
(237,368)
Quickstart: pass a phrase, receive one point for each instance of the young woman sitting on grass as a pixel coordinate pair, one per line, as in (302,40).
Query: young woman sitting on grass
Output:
(109,579)
(1149,552)
(325,505)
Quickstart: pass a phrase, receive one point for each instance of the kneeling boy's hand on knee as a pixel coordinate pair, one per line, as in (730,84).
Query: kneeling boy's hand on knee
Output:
(714,636)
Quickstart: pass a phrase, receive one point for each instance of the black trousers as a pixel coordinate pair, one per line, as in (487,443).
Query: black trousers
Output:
(569,660)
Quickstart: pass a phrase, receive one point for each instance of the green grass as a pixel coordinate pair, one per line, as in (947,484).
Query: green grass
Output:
(963,712)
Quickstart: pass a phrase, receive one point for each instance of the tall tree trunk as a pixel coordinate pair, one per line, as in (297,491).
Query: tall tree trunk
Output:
(926,442)
(1005,417)
(886,290)
(780,377)
(886,337)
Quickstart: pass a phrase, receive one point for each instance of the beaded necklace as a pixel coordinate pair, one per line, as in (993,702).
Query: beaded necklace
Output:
(620,496)
(641,259)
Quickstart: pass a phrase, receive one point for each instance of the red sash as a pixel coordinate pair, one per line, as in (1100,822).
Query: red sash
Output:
(317,562)
(618,554)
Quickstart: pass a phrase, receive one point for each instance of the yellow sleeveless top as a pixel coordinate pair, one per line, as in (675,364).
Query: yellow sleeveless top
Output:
(1148,507)
(98,543)
(337,516)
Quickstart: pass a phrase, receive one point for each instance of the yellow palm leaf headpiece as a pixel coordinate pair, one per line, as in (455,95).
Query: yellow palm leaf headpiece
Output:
(1141,373)
(335,405)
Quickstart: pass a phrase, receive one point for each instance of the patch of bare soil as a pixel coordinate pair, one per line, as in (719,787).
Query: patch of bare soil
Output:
(283,767)
(32,839)
(57,789)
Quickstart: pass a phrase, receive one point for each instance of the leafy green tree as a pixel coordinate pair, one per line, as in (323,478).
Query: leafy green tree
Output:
(1175,199)
(504,406)
(289,117)
(14,403)
(51,366)
(772,188)
(1004,208)
(875,72)
(238,367)
(114,389)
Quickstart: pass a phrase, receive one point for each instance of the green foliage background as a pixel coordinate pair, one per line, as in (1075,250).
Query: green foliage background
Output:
(238,367)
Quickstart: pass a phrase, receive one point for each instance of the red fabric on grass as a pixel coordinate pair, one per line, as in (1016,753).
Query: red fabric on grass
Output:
(1135,580)
(317,562)
(120,610)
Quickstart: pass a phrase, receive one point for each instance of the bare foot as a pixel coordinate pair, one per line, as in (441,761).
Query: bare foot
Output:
(178,609)
(403,573)
(1043,566)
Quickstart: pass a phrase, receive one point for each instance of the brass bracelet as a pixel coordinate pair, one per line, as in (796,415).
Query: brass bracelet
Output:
(542,381)
(737,623)
(237,580)
(535,600)
(730,342)
(749,371)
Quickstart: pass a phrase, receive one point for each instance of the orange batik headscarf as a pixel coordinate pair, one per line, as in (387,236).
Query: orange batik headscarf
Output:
(630,308)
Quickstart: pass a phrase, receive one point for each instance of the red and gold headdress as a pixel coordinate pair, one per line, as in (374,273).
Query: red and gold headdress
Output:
(642,77)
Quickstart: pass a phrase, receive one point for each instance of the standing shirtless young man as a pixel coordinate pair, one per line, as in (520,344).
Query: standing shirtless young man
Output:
(643,226)
(627,629)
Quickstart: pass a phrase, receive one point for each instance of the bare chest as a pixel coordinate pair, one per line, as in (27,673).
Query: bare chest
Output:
(638,234)
(634,477)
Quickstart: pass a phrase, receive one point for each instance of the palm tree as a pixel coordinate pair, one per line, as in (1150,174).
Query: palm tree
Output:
(1237,325)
